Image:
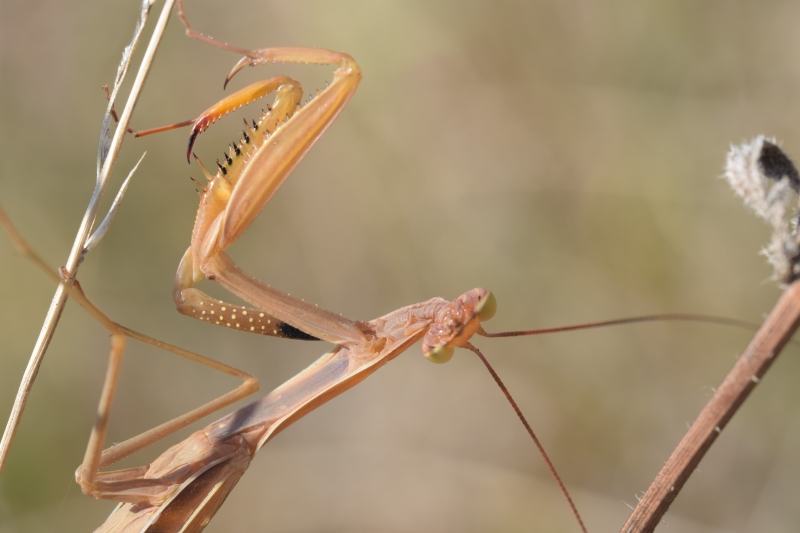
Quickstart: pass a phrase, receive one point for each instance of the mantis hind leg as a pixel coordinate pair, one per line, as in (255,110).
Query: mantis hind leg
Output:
(108,484)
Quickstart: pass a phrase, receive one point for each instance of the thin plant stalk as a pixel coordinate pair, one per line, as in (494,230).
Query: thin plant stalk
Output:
(78,248)
(746,373)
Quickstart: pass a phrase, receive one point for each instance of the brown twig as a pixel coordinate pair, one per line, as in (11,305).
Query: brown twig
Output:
(746,373)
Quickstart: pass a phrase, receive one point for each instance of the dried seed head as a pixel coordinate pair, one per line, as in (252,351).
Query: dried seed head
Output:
(768,182)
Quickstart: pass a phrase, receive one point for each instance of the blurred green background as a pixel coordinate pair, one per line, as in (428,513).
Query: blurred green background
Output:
(562,154)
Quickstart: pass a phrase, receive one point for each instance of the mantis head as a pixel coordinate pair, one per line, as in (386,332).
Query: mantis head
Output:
(456,323)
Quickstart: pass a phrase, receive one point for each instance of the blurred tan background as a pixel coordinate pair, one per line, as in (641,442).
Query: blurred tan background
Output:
(563,154)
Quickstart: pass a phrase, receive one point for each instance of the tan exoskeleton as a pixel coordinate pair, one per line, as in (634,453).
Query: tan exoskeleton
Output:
(182,489)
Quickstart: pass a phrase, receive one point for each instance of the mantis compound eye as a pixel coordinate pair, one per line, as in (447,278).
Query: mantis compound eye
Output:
(439,354)
(487,307)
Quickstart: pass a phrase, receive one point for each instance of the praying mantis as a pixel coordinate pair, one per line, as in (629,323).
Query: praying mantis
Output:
(184,488)
(523,206)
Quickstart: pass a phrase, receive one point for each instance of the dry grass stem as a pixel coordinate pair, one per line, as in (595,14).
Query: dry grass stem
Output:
(107,157)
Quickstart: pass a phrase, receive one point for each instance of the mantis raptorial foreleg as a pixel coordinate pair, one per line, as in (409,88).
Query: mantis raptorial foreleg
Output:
(253,170)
